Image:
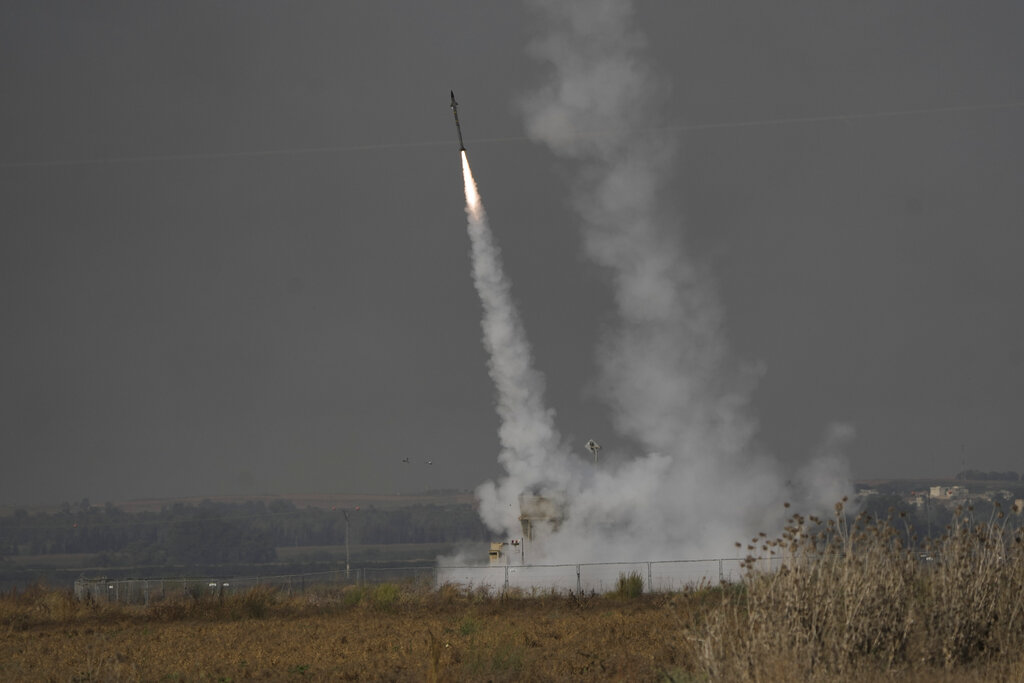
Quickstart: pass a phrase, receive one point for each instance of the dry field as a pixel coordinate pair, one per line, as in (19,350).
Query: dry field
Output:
(380,633)
(851,603)
(383,633)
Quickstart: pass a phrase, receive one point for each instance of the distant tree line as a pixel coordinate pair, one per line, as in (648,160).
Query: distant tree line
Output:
(978,475)
(214,532)
(931,518)
(923,521)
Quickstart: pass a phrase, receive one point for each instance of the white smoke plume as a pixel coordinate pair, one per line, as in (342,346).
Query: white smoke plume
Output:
(698,482)
(532,451)
(825,477)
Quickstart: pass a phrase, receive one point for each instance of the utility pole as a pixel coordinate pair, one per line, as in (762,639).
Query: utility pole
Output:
(345,512)
(927,511)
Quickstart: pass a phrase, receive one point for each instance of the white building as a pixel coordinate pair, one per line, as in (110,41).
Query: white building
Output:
(947,492)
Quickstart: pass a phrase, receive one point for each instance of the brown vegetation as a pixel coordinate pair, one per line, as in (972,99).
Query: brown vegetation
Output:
(379,632)
(851,603)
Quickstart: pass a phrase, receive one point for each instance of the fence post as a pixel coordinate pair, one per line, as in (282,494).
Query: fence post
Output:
(650,579)
(506,578)
(579,582)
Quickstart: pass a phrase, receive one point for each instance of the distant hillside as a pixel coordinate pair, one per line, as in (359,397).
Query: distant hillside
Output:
(322,501)
(907,485)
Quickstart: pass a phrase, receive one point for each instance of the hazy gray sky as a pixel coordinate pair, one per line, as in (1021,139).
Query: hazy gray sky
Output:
(184,314)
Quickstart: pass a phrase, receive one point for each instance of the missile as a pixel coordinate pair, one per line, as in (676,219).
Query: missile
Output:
(455,111)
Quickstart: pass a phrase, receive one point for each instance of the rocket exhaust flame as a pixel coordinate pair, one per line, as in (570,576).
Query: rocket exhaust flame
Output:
(473,207)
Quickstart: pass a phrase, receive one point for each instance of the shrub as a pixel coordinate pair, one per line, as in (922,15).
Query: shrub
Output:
(352,595)
(630,585)
(385,596)
(256,602)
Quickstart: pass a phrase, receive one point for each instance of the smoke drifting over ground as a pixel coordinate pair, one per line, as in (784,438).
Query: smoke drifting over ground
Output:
(697,482)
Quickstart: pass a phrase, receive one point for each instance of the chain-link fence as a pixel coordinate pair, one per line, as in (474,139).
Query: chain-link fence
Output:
(602,577)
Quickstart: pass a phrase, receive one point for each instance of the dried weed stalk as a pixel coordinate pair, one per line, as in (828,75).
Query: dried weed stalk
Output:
(850,599)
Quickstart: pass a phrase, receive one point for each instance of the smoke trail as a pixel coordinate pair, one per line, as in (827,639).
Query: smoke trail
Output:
(531,447)
(666,370)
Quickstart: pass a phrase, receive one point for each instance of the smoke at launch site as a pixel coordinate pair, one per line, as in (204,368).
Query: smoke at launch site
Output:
(695,480)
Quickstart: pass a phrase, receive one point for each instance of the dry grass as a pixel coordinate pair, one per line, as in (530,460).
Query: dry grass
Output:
(852,603)
(381,632)
(856,603)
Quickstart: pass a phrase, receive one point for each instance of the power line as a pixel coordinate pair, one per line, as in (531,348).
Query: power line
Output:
(851,117)
(334,149)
